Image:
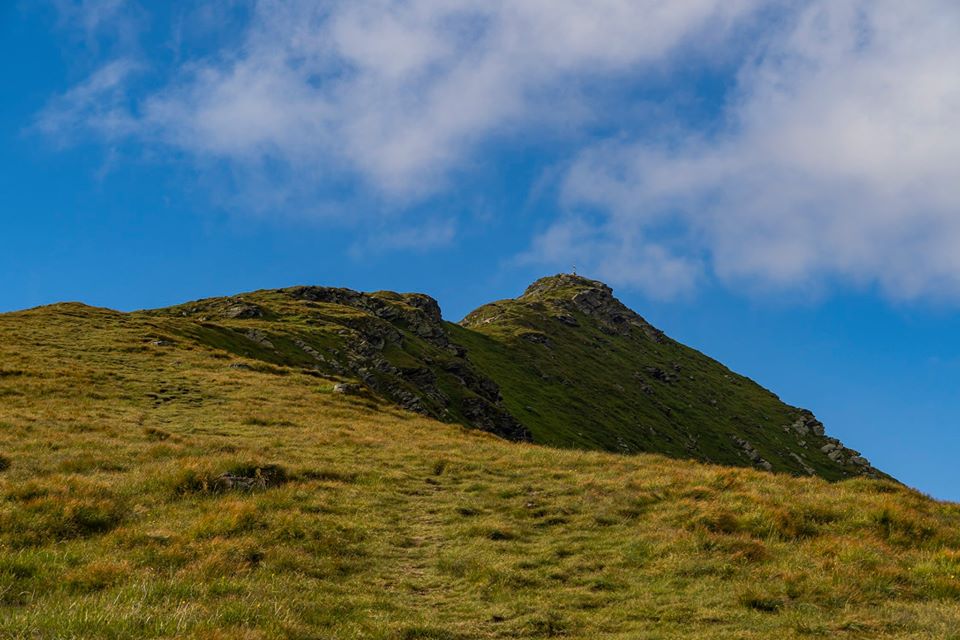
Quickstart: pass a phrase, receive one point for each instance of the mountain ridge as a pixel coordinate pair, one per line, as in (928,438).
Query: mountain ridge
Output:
(565,364)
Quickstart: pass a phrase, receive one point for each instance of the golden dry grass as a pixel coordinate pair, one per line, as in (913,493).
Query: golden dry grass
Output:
(362,521)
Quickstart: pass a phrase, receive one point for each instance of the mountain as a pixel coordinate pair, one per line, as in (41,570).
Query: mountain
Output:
(244,467)
(565,364)
(579,369)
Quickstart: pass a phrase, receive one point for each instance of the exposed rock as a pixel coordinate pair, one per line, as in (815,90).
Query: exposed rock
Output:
(469,378)
(457,350)
(243,311)
(310,351)
(567,319)
(837,456)
(800,426)
(417,312)
(347,388)
(752,454)
(595,299)
(489,417)
(259,337)
(536,337)
(806,468)
(806,423)
(415,388)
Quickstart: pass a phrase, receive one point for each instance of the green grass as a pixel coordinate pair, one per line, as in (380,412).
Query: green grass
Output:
(124,513)
(588,387)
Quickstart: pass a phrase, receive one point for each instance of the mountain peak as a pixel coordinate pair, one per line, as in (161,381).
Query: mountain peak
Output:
(577,367)
(593,298)
(565,285)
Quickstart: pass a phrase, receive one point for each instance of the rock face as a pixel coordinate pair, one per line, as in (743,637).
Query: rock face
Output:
(242,310)
(389,323)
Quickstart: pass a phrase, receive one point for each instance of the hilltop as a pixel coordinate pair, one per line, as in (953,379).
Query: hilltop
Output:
(197,472)
(580,369)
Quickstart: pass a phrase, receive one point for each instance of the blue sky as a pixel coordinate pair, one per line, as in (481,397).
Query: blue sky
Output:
(774,183)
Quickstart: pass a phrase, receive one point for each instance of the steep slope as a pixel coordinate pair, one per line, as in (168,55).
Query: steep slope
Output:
(566,364)
(579,369)
(157,483)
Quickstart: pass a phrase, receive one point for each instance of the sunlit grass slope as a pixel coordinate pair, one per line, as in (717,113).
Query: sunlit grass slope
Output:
(156,486)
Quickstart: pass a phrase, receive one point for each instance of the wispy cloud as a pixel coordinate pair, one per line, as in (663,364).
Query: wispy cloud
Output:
(402,92)
(89,16)
(420,237)
(99,104)
(93,21)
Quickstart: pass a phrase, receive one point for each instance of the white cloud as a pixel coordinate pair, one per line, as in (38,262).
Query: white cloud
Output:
(840,161)
(401,92)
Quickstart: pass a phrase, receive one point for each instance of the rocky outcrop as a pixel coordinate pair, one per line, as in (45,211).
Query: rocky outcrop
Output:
(752,454)
(592,298)
(811,436)
(416,312)
(397,321)
(806,424)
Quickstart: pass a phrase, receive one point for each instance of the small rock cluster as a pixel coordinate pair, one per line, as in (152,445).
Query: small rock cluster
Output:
(841,455)
(752,454)
(808,428)
(595,299)
(243,311)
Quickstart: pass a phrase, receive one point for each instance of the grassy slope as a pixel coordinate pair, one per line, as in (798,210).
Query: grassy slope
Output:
(393,345)
(589,388)
(383,524)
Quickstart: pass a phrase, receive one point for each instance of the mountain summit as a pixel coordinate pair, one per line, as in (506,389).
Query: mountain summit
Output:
(565,364)
(580,369)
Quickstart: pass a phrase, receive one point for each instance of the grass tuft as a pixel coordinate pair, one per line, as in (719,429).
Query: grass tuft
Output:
(235,476)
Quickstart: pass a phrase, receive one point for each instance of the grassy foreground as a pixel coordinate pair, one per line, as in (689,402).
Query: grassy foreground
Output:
(153,487)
